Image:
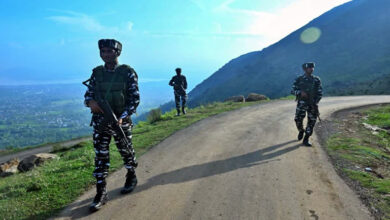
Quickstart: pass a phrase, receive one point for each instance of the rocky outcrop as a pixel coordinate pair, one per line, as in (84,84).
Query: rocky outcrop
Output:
(34,160)
(8,168)
(252,97)
(239,98)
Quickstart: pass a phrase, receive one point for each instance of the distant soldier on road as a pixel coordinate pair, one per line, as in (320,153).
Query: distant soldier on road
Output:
(179,83)
(118,86)
(308,90)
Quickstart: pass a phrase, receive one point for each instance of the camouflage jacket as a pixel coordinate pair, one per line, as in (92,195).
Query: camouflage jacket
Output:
(132,97)
(179,83)
(311,85)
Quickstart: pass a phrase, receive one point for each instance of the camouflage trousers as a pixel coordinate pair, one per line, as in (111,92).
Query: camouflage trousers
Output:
(300,114)
(102,134)
(180,95)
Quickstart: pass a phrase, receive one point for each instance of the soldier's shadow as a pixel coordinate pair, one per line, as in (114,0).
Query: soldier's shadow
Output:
(217,167)
(194,172)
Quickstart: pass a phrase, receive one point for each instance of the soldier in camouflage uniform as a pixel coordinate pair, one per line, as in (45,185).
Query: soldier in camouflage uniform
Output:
(308,90)
(118,84)
(179,83)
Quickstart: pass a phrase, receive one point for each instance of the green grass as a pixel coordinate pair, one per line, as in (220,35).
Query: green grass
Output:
(379,116)
(364,149)
(290,97)
(47,189)
(368,180)
(353,150)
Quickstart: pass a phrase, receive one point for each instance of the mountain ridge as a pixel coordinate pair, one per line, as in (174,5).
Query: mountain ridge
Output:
(354,41)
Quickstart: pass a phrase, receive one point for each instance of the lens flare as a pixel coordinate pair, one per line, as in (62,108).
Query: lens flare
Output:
(310,35)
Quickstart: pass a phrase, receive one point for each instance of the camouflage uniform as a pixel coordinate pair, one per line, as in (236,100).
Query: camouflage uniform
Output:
(179,83)
(102,131)
(311,85)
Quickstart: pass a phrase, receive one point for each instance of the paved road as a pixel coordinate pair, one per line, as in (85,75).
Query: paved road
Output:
(244,164)
(44,149)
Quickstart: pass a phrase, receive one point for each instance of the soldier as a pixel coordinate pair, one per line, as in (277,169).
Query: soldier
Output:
(308,90)
(118,85)
(179,84)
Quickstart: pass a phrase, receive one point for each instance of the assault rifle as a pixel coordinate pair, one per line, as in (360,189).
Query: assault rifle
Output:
(110,117)
(315,106)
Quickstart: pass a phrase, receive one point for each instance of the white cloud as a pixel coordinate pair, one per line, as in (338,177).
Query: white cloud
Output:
(89,23)
(80,20)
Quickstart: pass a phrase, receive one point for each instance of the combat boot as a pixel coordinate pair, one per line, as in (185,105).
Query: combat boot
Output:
(130,184)
(306,141)
(300,135)
(183,110)
(178,112)
(100,198)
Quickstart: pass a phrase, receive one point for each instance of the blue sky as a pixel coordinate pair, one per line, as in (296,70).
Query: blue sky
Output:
(56,41)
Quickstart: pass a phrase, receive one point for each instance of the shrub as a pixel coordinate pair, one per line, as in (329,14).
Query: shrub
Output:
(154,115)
(168,115)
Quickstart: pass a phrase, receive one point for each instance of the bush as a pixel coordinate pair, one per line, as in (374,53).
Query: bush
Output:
(168,115)
(154,115)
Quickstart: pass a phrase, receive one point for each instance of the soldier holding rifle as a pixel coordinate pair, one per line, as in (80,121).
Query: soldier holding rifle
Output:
(112,96)
(308,90)
(179,83)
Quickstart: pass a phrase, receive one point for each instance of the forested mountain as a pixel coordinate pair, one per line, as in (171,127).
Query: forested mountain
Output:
(350,45)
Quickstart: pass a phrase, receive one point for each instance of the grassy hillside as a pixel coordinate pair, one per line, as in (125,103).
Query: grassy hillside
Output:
(41,193)
(353,49)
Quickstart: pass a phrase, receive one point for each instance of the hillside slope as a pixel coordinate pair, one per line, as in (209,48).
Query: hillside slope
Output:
(353,48)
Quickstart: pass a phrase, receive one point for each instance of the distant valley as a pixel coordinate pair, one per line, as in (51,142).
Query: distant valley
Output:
(36,114)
